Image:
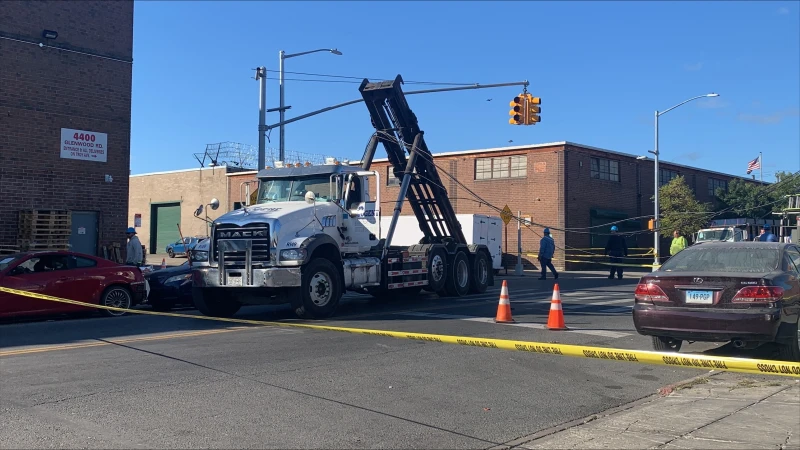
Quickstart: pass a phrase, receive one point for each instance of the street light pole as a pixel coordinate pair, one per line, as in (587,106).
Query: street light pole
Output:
(656,222)
(282,109)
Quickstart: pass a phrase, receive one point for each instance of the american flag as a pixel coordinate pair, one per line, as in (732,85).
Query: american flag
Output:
(754,164)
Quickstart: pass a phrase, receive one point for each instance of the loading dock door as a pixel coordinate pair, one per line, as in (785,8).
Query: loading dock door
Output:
(165,220)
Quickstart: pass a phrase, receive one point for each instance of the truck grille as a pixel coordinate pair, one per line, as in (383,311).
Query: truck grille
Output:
(232,244)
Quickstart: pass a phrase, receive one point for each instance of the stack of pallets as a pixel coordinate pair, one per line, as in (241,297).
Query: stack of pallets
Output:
(42,229)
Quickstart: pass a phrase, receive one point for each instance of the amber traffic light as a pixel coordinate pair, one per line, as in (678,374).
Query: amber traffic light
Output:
(532,109)
(517,111)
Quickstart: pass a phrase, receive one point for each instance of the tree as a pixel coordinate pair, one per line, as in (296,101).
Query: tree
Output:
(680,210)
(753,200)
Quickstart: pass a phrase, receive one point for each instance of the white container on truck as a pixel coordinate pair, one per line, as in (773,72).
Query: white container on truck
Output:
(477,228)
(314,231)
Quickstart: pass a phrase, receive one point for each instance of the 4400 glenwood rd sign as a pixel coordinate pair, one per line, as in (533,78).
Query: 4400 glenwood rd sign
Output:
(84,145)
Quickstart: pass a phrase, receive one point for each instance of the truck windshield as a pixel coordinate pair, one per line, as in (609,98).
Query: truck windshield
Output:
(725,234)
(294,189)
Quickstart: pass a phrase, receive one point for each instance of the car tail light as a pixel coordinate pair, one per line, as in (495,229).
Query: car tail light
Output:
(758,294)
(649,293)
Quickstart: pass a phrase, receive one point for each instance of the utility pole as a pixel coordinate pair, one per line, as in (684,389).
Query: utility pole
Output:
(518,269)
(261,76)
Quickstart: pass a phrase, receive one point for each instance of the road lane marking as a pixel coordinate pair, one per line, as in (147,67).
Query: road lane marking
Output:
(537,326)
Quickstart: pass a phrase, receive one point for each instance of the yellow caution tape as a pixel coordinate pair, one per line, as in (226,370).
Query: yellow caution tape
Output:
(752,366)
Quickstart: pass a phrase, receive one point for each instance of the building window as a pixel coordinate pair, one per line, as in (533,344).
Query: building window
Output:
(714,184)
(604,169)
(501,167)
(391,180)
(666,175)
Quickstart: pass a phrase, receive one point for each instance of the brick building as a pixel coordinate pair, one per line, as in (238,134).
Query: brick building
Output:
(65,116)
(562,185)
(160,201)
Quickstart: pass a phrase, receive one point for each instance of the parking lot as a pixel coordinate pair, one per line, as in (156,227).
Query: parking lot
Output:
(144,381)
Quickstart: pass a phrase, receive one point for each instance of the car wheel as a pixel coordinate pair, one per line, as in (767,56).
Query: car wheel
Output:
(790,351)
(117,297)
(665,344)
(171,253)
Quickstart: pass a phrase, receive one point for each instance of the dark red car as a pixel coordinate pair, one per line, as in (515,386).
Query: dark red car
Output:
(69,275)
(744,292)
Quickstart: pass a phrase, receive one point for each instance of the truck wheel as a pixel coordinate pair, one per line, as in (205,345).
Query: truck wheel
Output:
(320,290)
(458,278)
(479,281)
(214,304)
(437,269)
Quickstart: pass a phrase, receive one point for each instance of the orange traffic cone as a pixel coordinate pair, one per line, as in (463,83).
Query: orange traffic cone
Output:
(504,307)
(163,263)
(555,321)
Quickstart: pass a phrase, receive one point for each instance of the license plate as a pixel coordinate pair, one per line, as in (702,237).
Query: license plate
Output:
(234,281)
(700,297)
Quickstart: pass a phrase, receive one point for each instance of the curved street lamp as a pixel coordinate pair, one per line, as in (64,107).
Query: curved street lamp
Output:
(656,263)
(283,56)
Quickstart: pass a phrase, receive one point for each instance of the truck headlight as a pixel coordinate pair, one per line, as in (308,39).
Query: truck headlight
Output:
(199,256)
(293,254)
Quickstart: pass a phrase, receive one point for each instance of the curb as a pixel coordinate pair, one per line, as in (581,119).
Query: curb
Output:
(662,392)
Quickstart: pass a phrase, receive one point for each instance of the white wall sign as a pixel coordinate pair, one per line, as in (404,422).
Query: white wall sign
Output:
(84,145)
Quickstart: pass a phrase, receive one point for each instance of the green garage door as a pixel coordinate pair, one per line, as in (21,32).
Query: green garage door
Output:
(166,219)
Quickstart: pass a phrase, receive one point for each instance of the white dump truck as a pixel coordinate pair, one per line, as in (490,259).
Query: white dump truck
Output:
(314,231)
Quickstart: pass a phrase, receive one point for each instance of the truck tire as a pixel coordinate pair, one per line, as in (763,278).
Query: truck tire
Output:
(481,267)
(437,269)
(215,304)
(458,277)
(319,292)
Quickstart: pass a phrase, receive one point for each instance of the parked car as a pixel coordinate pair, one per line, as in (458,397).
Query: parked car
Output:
(172,286)
(744,292)
(180,247)
(69,275)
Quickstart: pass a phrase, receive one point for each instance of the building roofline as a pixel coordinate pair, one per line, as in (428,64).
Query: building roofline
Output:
(546,145)
(662,161)
(197,169)
(244,172)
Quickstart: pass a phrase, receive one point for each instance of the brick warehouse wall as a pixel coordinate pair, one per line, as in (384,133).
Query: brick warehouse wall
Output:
(539,194)
(629,197)
(46,89)
(190,188)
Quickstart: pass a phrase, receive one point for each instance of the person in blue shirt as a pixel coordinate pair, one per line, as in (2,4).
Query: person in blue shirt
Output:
(547,248)
(766,234)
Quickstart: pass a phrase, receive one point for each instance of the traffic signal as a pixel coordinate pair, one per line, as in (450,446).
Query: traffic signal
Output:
(651,224)
(532,109)
(517,112)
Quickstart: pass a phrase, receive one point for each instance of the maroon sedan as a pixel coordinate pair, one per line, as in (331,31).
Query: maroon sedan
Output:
(69,275)
(744,292)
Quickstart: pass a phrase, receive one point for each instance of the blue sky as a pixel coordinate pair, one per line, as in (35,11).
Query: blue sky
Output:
(601,69)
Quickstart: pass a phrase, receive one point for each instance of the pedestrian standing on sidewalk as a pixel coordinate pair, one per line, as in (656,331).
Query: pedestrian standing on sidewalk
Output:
(616,248)
(133,252)
(547,248)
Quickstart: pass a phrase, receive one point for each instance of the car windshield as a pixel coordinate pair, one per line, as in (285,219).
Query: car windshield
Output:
(713,258)
(725,234)
(294,189)
(7,260)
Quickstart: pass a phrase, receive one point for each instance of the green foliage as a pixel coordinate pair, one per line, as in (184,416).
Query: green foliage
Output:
(680,210)
(753,200)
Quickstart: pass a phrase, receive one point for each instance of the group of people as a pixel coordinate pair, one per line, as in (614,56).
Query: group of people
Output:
(617,248)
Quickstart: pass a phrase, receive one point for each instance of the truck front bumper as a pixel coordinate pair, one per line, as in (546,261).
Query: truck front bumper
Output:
(272,277)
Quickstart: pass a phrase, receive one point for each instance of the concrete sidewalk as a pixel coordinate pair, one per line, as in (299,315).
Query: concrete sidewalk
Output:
(717,410)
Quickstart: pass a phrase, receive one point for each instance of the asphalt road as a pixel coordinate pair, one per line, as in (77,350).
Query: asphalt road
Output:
(175,383)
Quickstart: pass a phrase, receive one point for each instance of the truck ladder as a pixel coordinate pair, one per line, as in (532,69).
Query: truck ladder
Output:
(398,130)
